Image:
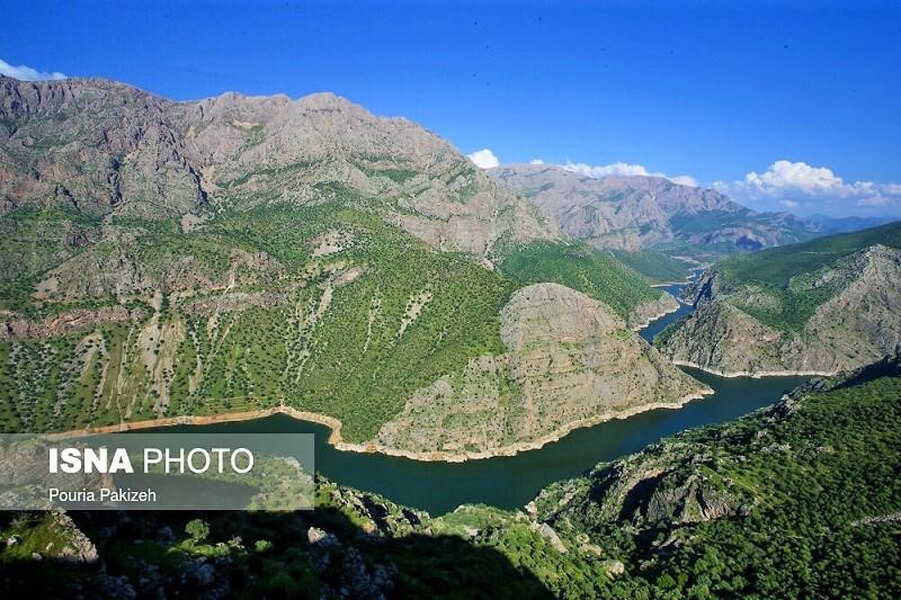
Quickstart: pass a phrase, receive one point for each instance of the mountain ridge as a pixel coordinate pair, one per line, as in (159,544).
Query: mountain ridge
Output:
(632,213)
(240,254)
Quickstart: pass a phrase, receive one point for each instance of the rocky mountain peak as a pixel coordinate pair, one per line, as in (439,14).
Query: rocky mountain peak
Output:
(636,212)
(100,148)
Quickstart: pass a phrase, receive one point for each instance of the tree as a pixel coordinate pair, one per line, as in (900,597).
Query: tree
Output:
(198,529)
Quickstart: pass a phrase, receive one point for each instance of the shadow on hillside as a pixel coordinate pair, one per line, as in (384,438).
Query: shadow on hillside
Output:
(887,367)
(136,560)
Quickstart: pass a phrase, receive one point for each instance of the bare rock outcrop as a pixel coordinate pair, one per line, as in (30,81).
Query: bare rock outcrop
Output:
(860,323)
(102,148)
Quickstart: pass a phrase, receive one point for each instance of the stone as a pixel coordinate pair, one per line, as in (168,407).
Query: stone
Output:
(319,537)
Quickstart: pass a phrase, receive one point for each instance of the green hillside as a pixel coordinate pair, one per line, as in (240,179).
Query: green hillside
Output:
(327,308)
(777,266)
(656,266)
(806,496)
(322,333)
(581,267)
(796,279)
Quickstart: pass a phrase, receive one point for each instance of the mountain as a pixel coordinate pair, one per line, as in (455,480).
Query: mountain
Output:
(101,148)
(798,500)
(820,306)
(598,369)
(651,216)
(826,225)
(244,253)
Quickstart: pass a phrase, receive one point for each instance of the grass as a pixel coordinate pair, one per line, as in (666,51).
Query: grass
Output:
(656,266)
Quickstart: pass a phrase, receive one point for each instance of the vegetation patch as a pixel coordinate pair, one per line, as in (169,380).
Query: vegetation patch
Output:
(580,267)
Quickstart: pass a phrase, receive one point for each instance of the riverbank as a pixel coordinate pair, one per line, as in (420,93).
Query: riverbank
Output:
(335,439)
(646,321)
(755,374)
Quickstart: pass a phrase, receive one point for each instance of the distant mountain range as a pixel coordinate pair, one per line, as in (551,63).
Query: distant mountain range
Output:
(647,220)
(826,225)
(637,212)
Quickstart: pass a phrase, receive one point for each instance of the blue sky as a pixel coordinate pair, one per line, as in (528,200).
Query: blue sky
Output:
(782,108)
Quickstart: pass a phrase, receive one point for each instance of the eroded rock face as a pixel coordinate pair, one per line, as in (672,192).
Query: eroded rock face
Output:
(102,148)
(570,361)
(636,212)
(666,485)
(858,325)
(643,314)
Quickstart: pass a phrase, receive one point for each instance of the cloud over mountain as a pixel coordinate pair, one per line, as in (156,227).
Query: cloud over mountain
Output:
(621,168)
(806,188)
(484,159)
(25,73)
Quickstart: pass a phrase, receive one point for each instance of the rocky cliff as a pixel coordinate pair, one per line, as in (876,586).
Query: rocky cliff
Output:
(834,317)
(102,148)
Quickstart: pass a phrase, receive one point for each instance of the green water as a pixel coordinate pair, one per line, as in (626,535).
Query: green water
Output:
(510,482)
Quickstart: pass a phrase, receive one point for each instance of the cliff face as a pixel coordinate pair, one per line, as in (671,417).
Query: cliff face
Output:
(569,362)
(632,213)
(854,320)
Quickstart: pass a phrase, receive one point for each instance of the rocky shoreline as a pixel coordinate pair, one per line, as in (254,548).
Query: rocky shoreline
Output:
(754,374)
(514,449)
(338,442)
(668,309)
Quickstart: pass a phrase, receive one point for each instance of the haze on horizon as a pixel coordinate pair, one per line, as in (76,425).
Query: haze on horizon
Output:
(785,109)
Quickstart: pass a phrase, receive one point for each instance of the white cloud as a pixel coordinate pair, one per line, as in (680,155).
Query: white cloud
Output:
(484,159)
(621,168)
(536,161)
(798,185)
(877,200)
(799,176)
(684,180)
(26,73)
(596,172)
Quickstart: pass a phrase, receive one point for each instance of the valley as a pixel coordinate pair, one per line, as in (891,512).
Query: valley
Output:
(522,381)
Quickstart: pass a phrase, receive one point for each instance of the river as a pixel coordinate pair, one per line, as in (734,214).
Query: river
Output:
(510,482)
